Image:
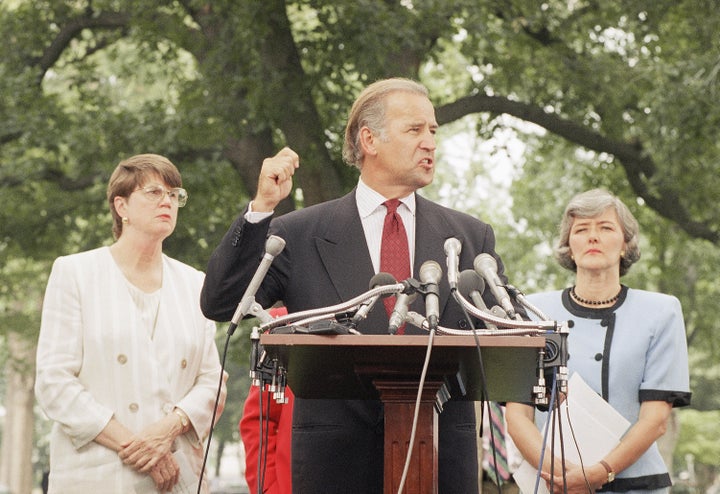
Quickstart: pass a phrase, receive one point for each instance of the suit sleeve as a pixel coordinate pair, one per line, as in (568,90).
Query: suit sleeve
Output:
(59,391)
(231,267)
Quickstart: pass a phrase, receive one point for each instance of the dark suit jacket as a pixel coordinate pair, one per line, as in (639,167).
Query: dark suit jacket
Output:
(338,445)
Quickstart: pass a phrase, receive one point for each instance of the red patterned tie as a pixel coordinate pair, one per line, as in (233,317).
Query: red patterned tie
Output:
(394,253)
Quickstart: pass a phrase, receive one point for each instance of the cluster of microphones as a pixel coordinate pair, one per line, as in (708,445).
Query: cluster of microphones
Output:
(466,286)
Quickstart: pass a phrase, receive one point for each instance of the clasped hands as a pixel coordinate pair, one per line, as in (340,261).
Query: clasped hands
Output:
(150,452)
(575,480)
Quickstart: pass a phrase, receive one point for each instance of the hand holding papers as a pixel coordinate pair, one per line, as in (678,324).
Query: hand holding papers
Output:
(597,429)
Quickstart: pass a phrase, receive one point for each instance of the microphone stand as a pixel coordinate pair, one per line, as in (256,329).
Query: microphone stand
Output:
(262,371)
(302,317)
(555,353)
(500,322)
(520,297)
(556,349)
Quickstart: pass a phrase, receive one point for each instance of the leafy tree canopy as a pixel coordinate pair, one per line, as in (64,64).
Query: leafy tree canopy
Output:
(607,93)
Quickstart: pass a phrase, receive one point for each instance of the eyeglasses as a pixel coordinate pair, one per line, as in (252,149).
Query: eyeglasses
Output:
(156,193)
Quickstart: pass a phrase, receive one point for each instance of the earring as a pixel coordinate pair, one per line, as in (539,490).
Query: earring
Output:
(622,254)
(125,220)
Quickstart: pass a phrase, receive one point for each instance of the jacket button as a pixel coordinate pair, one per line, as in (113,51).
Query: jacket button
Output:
(122,359)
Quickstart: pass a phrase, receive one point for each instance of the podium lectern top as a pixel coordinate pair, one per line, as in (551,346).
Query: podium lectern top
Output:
(343,366)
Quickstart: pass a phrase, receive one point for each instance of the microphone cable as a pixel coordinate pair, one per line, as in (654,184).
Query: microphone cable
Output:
(263,439)
(551,417)
(554,417)
(484,399)
(416,413)
(214,414)
(556,425)
(577,446)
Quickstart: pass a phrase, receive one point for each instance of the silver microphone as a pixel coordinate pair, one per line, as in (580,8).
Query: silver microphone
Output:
(486,266)
(430,274)
(471,285)
(400,311)
(452,251)
(273,246)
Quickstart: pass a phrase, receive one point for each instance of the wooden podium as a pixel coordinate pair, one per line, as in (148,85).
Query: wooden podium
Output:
(388,368)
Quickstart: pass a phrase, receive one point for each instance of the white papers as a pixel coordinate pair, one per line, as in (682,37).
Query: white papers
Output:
(597,429)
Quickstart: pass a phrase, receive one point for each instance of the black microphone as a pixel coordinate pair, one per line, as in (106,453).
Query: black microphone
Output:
(273,246)
(486,266)
(452,251)
(471,284)
(430,274)
(377,280)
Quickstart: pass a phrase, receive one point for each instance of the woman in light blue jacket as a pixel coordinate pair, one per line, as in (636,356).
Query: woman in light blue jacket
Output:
(629,345)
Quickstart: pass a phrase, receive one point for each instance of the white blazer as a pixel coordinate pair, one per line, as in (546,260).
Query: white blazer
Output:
(96,360)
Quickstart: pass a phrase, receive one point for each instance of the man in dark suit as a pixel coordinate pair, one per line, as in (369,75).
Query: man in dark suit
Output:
(332,251)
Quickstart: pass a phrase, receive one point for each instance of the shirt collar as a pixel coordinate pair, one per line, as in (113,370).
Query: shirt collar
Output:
(368,200)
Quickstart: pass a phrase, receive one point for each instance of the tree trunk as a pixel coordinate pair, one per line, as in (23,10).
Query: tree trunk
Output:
(16,451)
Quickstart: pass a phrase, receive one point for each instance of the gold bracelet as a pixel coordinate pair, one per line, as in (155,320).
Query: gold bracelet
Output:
(184,421)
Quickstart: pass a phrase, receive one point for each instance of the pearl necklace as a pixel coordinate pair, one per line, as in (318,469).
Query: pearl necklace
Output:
(609,301)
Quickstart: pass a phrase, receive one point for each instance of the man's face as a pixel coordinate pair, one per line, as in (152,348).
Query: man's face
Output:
(405,157)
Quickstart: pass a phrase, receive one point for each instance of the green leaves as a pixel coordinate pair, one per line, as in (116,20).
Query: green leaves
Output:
(616,94)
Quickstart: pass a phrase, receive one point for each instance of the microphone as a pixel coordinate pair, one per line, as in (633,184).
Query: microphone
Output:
(430,274)
(471,285)
(486,266)
(377,280)
(400,311)
(452,251)
(273,246)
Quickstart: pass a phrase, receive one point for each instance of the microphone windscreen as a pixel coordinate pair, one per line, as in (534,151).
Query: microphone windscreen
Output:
(469,281)
(430,272)
(485,262)
(381,279)
(452,245)
(274,245)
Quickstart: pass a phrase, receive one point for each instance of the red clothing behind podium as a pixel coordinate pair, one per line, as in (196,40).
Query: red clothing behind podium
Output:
(276,446)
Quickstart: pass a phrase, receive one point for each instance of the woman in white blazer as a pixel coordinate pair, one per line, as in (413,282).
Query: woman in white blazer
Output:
(127,366)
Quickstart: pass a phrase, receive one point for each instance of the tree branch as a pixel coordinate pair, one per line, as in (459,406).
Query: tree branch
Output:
(10,136)
(69,31)
(54,176)
(639,166)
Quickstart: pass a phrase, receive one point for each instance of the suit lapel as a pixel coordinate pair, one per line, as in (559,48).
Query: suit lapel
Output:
(431,231)
(344,253)
(343,250)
